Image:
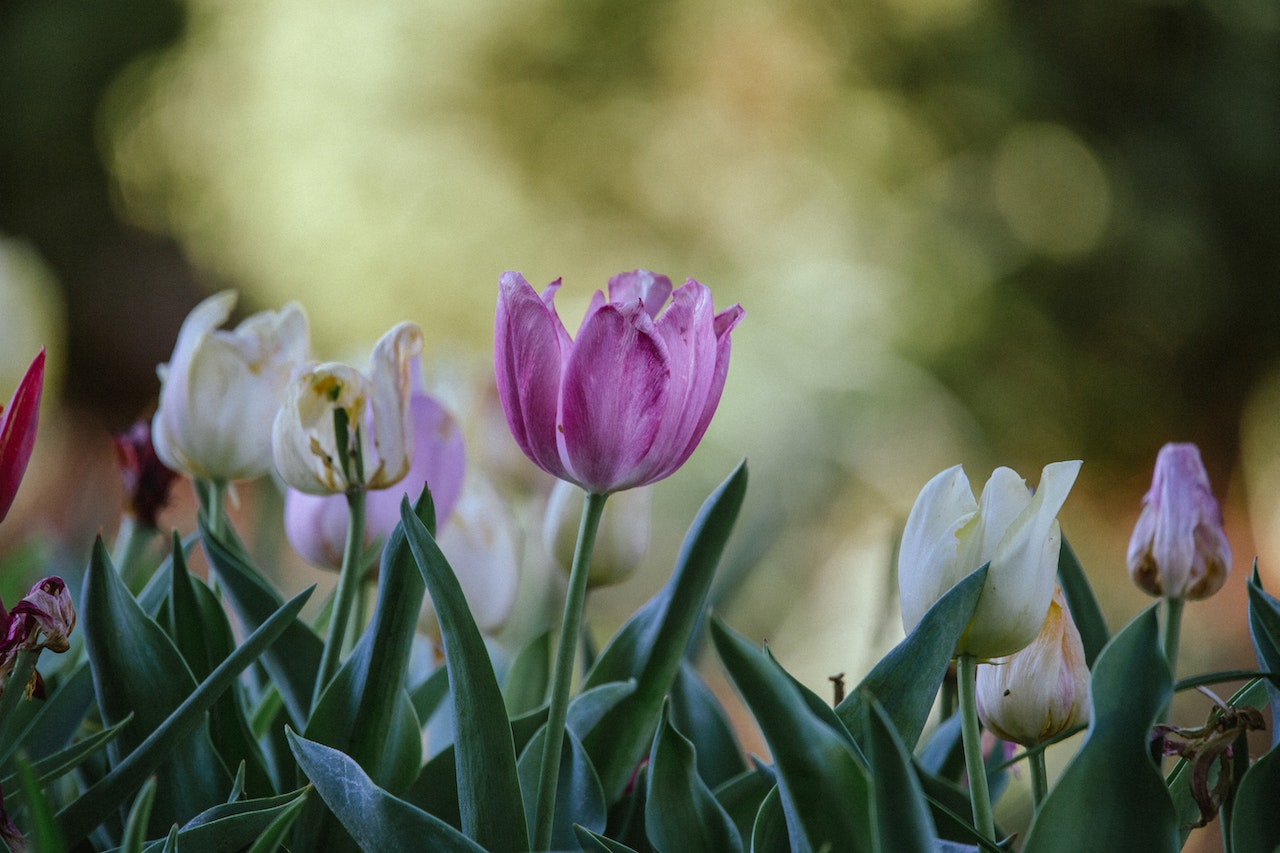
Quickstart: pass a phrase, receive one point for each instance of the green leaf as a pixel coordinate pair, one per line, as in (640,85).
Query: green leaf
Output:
(906,680)
(273,837)
(1084,608)
(682,813)
(696,712)
(769,832)
(80,817)
(1264,629)
(822,784)
(1254,828)
(650,646)
(594,843)
(231,827)
(293,662)
(903,822)
(1112,779)
(525,687)
(137,669)
(57,719)
(579,798)
(741,796)
(428,695)
(44,828)
(378,821)
(489,796)
(135,828)
(57,765)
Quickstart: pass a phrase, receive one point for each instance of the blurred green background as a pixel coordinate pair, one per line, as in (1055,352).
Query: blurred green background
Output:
(963,231)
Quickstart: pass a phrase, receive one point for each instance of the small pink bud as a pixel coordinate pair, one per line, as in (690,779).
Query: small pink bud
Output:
(18,424)
(1178,548)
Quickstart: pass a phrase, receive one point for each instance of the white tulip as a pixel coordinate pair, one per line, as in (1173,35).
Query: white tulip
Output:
(378,413)
(949,534)
(221,389)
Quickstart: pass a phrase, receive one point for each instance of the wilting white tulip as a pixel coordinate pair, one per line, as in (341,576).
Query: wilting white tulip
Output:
(378,421)
(949,534)
(221,389)
(1042,690)
(621,539)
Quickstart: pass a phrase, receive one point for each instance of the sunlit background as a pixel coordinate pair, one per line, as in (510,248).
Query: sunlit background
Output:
(962,230)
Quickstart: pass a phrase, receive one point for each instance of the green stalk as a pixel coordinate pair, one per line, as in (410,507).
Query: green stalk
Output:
(979,795)
(131,543)
(15,687)
(1172,631)
(217,508)
(1039,776)
(345,596)
(562,674)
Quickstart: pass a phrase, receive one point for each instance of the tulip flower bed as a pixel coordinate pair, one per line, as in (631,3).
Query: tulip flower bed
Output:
(209,715)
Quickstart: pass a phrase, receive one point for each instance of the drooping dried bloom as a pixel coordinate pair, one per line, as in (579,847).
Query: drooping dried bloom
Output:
(624,403)
(18,423)
(147,480)
(44,618)
(375,409)
(316,525)
(949,534)
(221,389)
(1179,548)
(1041,691)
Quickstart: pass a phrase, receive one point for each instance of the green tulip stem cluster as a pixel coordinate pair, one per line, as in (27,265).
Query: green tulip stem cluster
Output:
(975,765)
(345,595)
(562,673)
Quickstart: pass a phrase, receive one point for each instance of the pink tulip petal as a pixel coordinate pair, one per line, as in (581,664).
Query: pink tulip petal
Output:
(652,290)
(615,393)
(18,431)
(688,329)
(528,344)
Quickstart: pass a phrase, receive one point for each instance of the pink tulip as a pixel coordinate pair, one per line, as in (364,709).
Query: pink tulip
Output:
(316,525)
(18,431)
(1178,548)
(624,404)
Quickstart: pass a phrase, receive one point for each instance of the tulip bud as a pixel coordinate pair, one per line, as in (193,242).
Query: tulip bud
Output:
(221,389)
(18,422)
(1042,690)
(46,611)
(1178,548)
(375,447)
(949,534)
(621,540)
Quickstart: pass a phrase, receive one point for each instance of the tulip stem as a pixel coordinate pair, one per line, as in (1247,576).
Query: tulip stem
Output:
(979,795)
(131,543)
(562,674)
(1039,776)
(1172,632)
(216,507)
(15,687)
(345,595)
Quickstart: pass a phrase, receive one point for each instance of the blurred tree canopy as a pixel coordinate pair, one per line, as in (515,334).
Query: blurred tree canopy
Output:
(1072,204)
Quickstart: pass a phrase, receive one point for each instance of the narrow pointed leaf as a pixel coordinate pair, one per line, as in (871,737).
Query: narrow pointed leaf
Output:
(821,782)
(907,679)
(1084,608)
(579,798)
(46,833)
(525,687)
(1112,779)
(903,822)
(378,821)
(231,827)
(696,712)
(489,798)
(682,814)
(769,832)
(137,670)
(135,828)
(1254,828)
(273,837)
(295,659)
(650,646)
(57,765)
(592,842)
(80,817)
(1264,629)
